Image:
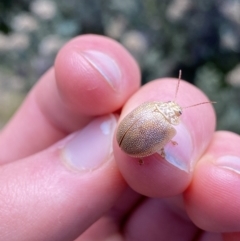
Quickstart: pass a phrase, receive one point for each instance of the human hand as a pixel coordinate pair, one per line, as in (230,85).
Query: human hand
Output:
(196,189)
(56,185)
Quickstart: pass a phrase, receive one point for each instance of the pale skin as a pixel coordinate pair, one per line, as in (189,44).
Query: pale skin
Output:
(42,199)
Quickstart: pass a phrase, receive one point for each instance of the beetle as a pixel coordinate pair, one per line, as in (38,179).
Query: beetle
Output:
(149,127)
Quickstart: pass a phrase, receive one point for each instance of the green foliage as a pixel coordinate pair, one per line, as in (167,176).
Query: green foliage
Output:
(200,37)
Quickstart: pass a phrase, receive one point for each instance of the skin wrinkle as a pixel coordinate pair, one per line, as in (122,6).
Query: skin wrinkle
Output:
(125,219)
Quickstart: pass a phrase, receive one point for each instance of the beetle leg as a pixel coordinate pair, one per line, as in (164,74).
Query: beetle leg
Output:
(174,143)
(140,162)
(162,153)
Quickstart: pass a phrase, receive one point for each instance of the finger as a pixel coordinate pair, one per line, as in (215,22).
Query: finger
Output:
(93,75)
(213,198)
(151,221)
(160,220)
(231,236)
(107,227)
(208,236)
(158,177)
(60,192)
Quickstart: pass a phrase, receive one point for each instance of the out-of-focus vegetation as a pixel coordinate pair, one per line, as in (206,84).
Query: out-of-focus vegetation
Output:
(200,37)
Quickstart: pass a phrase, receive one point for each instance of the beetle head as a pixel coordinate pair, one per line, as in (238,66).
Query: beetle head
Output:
(171,111)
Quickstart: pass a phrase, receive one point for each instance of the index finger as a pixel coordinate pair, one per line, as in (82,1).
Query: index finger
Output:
(159,177)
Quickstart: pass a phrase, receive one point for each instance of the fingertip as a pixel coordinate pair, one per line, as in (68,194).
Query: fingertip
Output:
(158,177)
(95,74)
(197,124)
(212,199)
(69,96)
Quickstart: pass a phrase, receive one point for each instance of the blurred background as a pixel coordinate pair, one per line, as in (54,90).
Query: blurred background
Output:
(200,37)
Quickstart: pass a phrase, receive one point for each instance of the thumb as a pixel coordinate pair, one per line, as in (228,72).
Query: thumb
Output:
(60,192)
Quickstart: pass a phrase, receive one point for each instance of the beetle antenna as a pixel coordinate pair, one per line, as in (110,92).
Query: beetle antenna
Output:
(207,102)
(179,79)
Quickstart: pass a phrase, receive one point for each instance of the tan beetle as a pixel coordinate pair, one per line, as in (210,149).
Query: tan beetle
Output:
(148,128)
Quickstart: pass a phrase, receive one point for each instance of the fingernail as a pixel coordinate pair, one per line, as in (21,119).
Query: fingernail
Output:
(180,155)
(107,67)
(90,147)
(229,162)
